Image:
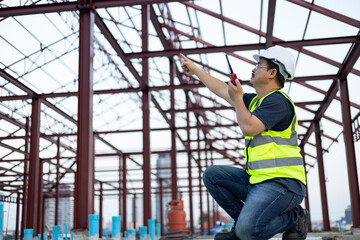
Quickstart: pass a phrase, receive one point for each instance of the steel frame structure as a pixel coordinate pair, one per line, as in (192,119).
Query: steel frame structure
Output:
(212,141)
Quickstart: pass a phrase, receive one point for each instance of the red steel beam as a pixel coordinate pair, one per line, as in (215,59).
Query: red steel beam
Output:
(146,119)
(244,47)
(155,88)
(72,6)
(347,67)
(33,201)
(324,204)
(255,31)
(327,12)
(84,177)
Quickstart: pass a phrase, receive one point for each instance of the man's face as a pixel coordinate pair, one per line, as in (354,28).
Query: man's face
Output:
(259,72)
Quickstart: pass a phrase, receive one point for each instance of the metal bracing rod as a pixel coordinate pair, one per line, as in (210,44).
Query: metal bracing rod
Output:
(352,104)
(277,40)
(120,53)
(314,145)
(325,117)
(348,65)
(115,46)
(32,94)
(167,45)
(327,12)
(72,6)
(241,47)
(165,87)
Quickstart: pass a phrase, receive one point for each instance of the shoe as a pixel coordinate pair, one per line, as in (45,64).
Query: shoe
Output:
(227,235)
(299,230)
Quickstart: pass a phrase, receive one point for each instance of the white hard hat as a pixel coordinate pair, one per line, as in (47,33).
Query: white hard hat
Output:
(280,55)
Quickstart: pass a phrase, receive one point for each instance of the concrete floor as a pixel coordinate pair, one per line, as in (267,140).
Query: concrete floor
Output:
(310,236)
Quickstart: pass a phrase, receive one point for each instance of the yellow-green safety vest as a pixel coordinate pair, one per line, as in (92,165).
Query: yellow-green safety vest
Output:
(272,154)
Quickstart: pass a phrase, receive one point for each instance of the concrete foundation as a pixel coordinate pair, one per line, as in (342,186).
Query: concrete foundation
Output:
(81,235)
(313,236)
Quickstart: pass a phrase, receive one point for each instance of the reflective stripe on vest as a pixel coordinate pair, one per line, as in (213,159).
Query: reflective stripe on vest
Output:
(272,154)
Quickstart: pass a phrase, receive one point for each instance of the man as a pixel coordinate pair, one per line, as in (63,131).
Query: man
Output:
(263,199)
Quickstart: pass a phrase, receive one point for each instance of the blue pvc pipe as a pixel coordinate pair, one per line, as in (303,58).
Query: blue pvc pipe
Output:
(66,226)
(151,223)
(44,236)
(158,230)
(39,236)
(342,234)
(143,232)
(107,234)
(131,234)
(125,235)
(116,227)
(93,225)
(28,234)
(72,236)
(1,218)
(56,232)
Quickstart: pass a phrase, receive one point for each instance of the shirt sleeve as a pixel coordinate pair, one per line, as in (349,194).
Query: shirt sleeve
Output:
(276,112)
(247,97)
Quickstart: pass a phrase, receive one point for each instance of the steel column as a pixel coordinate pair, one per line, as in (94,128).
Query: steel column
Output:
(213,200)
(200,186)
(146,119)
(174,190)
(134,210)
(188,104)
(350,153)
(161,208)
(25,181)
(34,169)
(324,205)
(41,201)
(101,198)
(307,204)
(208,200)
(270,23)
(124,193)
(84,177)
(17,217)
(120,178)
(57,193)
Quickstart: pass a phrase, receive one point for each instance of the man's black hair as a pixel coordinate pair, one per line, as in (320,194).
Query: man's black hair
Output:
(279,77)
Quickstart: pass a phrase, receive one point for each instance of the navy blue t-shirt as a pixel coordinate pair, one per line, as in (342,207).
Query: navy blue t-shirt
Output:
(277,113)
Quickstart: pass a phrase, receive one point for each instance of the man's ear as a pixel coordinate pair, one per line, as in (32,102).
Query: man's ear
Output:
(273,73)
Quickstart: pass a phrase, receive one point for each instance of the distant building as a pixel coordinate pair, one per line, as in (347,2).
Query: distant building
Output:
(162,162)
(348,217)
(65,215)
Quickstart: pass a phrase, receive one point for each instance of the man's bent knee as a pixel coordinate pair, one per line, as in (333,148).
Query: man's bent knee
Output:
(246,230)
(208,173)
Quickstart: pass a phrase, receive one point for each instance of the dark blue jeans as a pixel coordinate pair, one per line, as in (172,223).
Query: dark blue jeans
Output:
(260,210)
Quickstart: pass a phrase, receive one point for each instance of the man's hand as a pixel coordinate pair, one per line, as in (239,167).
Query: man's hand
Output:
(235,91)
(187,65)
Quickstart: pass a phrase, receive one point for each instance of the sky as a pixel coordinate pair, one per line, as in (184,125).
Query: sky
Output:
(319,27)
